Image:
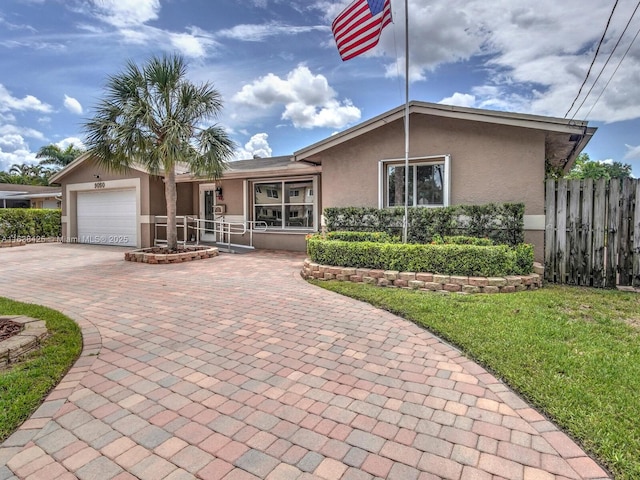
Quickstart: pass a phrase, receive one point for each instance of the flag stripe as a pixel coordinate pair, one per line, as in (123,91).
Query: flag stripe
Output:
(356,30)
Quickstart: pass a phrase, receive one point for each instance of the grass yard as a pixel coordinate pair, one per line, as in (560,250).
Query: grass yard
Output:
(572,352)
(24,386)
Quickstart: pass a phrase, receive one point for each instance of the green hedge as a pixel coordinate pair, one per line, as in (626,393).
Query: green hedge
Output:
(30,222)
(379,237)
(462,240)
(502,223)
(448,259)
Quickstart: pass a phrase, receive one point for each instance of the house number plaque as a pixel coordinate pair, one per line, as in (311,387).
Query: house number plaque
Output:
(98,185)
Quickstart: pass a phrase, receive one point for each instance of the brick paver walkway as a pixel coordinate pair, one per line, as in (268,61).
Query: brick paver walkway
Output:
(234,368)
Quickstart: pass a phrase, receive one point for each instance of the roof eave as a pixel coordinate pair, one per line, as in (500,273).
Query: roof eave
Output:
(537,122)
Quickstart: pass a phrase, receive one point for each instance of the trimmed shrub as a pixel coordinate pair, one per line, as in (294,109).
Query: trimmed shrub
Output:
(379,237)
(30,222)
(447,259)
(462,240)
(502,223)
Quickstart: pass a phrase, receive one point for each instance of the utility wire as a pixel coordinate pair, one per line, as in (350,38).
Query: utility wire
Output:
(614,72)
(607,62)
(594,59)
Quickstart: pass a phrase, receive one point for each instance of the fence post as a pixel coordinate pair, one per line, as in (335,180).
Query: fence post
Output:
(586,238)
(612,234)
(561,231)
(549,230)
(573,240)
(636,239)
(599,219)
(625,256)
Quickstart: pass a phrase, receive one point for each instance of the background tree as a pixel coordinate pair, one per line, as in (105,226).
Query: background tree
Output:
(56,156)
(155,117)
(25,174)
(584,167)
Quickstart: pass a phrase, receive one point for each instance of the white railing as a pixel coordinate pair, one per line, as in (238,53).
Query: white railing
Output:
(191,230)
(223,231)
(182,222)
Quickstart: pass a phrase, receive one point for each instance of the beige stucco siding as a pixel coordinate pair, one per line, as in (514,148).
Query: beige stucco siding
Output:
(232,196)
(90,176)
(489,163)
(90,172)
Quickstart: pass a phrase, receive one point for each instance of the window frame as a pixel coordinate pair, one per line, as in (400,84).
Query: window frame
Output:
(383,178)
(282,206)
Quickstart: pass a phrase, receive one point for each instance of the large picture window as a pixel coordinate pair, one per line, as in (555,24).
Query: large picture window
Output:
(428,183)
(284,203)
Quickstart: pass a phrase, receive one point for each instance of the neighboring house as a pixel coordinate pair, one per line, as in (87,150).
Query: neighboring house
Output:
(29,196)
(457,156)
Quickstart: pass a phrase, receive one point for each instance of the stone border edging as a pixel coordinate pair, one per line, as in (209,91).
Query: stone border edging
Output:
(28,339)
(58,397)
(12,243)
(153,256)
(425,281)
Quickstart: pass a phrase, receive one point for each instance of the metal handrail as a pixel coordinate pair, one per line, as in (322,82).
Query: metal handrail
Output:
(222,230)
(161,221)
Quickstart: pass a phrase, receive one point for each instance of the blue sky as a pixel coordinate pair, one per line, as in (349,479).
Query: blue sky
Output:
(282,80)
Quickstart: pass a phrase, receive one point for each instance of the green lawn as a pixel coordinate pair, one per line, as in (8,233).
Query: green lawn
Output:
(24,386)
(572,352)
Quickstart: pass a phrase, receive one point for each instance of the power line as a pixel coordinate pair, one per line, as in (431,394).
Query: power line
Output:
(614,72)
(607,62)
(594,59)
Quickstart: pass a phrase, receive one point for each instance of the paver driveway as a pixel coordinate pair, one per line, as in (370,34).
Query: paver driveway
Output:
(235,368)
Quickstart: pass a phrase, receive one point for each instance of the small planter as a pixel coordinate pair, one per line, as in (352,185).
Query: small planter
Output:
(160,255)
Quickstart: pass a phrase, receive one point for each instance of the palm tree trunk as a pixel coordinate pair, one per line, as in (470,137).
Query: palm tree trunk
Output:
(171,194)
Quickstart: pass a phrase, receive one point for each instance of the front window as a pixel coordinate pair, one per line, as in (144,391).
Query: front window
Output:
(284,204)
(427,184)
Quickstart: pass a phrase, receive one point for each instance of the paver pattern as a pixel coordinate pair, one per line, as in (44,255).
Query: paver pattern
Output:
(234,368)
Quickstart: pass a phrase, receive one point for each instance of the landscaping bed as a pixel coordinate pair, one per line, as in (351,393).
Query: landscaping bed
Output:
(453,256)
(159,255)
(424,280)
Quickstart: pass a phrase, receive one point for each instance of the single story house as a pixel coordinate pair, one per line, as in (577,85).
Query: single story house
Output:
(29,196)
(457,155)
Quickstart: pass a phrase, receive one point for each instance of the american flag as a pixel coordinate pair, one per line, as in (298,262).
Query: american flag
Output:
(358,28)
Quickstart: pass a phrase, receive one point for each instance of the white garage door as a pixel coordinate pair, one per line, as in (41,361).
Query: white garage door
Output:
(107,217)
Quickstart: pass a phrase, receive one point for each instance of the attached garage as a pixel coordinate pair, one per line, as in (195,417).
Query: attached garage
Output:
(107,217)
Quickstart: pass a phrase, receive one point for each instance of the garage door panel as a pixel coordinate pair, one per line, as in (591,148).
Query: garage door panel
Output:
(107,217)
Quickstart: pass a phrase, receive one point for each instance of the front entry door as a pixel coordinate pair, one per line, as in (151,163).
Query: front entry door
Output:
(207,212)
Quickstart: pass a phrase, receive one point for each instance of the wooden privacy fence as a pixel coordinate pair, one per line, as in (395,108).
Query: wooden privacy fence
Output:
(592,232)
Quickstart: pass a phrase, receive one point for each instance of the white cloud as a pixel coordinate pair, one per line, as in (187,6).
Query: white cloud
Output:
(126,13)
(633,152)
(259,32)
(191,45)
(72,105)
(75,141)
(29,102)
(460,100)
(257,146)
(530,54)
(24,131)
(14,149)
(308,99)
(130,18)
(13,141)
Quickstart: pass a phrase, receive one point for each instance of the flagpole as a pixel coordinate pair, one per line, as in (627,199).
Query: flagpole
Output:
(405,222)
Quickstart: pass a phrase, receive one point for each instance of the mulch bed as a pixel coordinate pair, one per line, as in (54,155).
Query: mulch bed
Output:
(8,328)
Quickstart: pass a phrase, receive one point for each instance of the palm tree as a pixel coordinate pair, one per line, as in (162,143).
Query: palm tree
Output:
(25,174)
(155,117)
(54,155)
